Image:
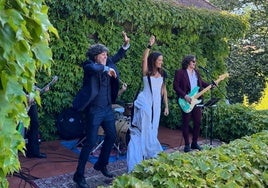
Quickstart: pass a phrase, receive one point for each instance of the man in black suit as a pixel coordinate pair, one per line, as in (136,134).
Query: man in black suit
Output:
(95,98)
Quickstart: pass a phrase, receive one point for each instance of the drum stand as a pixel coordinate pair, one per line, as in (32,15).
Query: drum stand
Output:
(81,140)
(97,147)
(101,143)
(101,134)
(118,112)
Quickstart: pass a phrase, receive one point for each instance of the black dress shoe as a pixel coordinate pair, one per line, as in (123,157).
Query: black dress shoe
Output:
(80,181)
(196,146)
(187,148)
(104,171)
(40,155)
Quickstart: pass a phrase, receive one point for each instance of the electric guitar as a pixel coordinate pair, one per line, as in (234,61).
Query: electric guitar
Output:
(43,90)
(194,95)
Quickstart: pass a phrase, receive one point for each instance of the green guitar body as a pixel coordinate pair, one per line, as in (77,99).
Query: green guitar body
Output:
(187,107)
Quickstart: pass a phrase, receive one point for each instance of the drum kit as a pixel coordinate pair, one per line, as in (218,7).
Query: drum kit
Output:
(122,125)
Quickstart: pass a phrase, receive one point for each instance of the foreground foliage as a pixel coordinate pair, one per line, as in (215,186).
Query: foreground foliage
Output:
(24,36)
(241,163)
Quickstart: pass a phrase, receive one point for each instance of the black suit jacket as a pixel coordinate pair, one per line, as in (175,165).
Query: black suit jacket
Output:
(91,81)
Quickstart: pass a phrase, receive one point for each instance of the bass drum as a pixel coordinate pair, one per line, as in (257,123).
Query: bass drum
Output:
(122,130)
(118,111)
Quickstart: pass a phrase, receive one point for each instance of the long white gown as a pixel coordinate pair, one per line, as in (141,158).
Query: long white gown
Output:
(143,142)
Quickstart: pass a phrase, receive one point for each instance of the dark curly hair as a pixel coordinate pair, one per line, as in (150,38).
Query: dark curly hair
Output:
(94,50)
(186,61)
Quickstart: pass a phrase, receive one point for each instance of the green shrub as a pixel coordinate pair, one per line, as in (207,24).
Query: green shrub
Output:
(235,121)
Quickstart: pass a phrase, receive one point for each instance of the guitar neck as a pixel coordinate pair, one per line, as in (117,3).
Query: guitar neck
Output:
(202,92)
(43,90)
(221,77)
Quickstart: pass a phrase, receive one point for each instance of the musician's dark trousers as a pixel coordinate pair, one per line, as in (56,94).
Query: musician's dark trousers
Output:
(32,134)
(195,115)
(97,116)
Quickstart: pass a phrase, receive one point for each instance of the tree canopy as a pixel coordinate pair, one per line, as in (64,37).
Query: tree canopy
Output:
(248,59)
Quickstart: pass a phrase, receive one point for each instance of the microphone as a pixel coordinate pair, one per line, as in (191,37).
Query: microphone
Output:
(204,69)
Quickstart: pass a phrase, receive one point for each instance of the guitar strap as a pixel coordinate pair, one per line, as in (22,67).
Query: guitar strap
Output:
(136,95)
(150,84)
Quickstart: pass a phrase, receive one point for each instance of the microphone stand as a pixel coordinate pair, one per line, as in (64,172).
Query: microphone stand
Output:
(211,103)
(211,118)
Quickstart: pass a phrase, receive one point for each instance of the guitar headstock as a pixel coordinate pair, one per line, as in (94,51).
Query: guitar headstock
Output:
(55,79)
(223,76)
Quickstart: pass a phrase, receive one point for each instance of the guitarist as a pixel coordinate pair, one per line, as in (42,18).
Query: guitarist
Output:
(32,147)
(185,80)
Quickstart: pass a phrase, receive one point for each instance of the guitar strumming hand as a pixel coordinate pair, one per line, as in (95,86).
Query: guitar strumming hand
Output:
(188,99)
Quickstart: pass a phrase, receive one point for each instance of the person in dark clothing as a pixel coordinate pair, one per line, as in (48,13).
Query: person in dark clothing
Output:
(32,134)
(95,98)
(32,147)
(185,80)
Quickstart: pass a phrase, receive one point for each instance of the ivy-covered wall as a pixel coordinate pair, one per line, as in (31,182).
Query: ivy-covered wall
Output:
(179,31)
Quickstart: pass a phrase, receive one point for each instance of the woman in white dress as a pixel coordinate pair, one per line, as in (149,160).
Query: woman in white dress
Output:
(143,142)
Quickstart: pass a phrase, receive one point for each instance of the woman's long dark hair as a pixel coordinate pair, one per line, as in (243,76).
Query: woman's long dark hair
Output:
(186,61)
(151,64)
